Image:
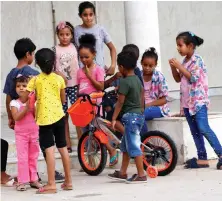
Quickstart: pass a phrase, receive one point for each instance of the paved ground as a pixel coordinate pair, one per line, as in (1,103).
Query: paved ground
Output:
(181,185)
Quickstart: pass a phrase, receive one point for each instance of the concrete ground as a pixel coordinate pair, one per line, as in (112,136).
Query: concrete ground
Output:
(181,185)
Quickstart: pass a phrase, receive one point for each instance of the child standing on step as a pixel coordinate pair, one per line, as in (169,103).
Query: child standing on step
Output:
(50,92)
(192,75)
(26,136)
(66,65)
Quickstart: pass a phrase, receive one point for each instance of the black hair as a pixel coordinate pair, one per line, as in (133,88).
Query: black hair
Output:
(132,48)
(45,58)
(127,59)
(189,37)
(88,41)
(22,46)
(21,79)
(84,5)
(150,53)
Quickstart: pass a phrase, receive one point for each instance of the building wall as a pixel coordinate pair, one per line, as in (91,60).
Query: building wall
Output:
(202,18)
(36,23)
(34,20)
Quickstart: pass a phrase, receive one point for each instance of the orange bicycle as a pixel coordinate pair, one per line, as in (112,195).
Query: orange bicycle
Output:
(159,150)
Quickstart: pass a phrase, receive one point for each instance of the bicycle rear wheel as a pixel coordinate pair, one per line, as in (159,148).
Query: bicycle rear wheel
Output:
(92,154)
(164,154)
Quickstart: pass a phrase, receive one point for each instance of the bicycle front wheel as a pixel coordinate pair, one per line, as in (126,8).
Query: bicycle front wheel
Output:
(92,154)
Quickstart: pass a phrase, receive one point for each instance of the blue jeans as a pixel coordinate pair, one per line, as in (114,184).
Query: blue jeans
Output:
(200,128)
(131,140)
(150,113)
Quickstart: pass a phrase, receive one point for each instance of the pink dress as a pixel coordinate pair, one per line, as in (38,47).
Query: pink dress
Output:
(27,144)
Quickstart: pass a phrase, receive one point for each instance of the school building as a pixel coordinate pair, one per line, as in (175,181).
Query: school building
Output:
(141,22)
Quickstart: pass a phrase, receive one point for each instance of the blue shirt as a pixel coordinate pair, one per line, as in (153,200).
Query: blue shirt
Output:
(9,88)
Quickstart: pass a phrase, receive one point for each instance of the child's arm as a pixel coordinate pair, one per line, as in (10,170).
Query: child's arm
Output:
(63,95)
(18,115)
(99,85)
(108,82)
(142,100)
(11,122)
(159,102)
(112,50)
(176,74)
(118,108)
(177,65)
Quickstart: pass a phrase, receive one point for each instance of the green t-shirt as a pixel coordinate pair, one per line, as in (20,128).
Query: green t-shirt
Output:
(131,87)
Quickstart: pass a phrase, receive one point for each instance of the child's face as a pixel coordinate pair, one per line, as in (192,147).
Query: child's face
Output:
(88,17)
(148,64)
(122,70)
(21,88)
(65,36)
(86,56)
(182,48)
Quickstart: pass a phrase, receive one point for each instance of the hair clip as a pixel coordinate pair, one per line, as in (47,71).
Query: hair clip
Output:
(192,34)
(61,25)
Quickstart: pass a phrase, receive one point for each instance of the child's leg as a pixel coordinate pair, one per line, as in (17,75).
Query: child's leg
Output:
(66,165)
(133,124)
(197,136)
(68,140)
(201,118)
(79,132)
(46,140)
(33,157)
(22,148)
(59,133)
(152,112)
(125,163)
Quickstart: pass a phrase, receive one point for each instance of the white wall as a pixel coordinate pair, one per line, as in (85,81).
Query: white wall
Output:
(202,18)
(34,20)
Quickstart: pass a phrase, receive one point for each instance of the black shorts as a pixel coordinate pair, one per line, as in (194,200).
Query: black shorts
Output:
(52,134)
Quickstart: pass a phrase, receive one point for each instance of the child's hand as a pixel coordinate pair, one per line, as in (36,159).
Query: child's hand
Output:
(110,70)
(11,123)
(174,63)
(87,71)
(113,124)
(118,75)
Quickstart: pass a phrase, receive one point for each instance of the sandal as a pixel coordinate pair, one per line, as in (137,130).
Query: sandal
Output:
(192,164)
(12,181)
(21,187)
(42,190)
(113,160)
(69,149)
(219,164)
(36,185)
(66,188)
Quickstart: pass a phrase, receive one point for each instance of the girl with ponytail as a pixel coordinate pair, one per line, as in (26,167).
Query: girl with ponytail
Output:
(192,75)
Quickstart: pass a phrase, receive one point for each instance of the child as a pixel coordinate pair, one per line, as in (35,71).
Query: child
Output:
(24,50)
(155,87)
(67,66)
(26,135)
(91,77)
(130,106)
(192,75)
(50,92)
(87,14)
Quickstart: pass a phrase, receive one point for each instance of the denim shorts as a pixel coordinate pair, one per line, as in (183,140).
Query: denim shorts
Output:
(131,140)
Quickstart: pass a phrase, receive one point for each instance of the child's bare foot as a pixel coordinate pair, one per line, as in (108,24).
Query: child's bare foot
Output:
(47,189)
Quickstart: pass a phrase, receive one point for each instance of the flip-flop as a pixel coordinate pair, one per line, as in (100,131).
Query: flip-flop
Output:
(113,160)
(66,188)
(192,164)
(35,185)
(46,191)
